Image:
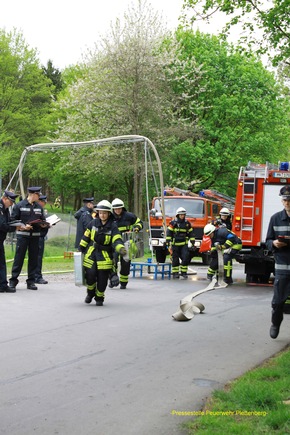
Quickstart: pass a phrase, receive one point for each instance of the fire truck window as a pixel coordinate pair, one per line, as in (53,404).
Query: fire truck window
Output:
(193,207)
(215,209)
(249,186)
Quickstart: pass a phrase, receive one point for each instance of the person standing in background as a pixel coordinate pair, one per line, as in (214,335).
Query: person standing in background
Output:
(7,200)
(83,217)
(31,214)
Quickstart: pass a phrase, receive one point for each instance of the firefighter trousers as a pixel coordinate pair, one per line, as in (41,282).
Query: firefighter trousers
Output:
(180,252)
(228,263)
(97,279)
(281,292)
(24,244)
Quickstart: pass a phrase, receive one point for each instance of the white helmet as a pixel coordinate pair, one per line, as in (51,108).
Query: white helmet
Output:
(117,203)
(104,205)
(180,210)
(225,211)
(208,229)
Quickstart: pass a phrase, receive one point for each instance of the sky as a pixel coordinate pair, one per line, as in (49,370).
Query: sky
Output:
(61,30)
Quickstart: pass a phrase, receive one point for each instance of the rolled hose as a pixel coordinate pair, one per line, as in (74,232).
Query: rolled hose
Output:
(188,308)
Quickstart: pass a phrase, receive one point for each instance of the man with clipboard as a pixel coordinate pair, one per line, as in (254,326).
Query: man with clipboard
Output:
(32,218)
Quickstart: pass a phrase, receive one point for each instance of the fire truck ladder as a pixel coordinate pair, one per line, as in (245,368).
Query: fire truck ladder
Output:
(248,204)
(226,200)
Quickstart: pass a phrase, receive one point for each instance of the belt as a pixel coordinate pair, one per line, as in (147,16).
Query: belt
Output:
(27,233)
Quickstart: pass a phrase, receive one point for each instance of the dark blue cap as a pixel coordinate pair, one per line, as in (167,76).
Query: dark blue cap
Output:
(285,192)
(42,198)
(34,189)
(89,199)
(10,195)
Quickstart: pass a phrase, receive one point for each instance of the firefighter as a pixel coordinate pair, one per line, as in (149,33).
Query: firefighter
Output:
(279,226)
(224,239)
(83,216)
(126,221)
(224,219)
(179,233)
(31,214)
(98,243)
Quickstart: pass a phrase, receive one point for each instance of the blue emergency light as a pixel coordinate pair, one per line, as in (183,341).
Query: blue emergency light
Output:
(284,166)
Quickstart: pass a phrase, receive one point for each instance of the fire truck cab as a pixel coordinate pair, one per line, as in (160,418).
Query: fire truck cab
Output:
(200,210)
(257,199)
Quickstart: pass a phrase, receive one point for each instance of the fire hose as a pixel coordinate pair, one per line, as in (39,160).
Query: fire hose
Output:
(188,308)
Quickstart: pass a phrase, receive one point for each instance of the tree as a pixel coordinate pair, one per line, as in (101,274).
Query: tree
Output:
(242,115)
(257,17)
(25,99)
(55,77)
(122,91)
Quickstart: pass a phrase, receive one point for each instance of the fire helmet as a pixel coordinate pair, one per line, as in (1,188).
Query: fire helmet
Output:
(104,205)
(180,210)
(225,211)
(208,229)
(117,203)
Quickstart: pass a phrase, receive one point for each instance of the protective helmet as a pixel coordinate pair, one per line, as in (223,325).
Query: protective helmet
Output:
(225,211)
(180,210)
(104,205)
(117,203)
(208,229)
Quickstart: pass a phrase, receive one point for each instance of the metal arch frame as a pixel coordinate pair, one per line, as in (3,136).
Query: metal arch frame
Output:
(54,146)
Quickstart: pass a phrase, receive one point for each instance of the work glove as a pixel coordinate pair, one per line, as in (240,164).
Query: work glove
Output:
(114,280)
(81,249)
(123,252)
(136,230)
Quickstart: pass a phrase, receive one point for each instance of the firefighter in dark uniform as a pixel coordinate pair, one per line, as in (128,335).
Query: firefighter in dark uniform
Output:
(279,226)
(126,221)
(43,233)
(179,233)
(7,200)
(98,243)
(229,243)
(27,234)
(83,217)
(224,219)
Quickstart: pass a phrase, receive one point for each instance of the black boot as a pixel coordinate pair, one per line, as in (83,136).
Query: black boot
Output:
(89,297)
(99,301)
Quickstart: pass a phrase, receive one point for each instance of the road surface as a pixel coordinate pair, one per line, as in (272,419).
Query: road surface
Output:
(127,367)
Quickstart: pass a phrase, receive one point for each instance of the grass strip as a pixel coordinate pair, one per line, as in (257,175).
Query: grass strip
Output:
(256,403)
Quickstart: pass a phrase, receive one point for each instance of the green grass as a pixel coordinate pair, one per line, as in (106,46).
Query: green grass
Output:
(53,260)
(256,403)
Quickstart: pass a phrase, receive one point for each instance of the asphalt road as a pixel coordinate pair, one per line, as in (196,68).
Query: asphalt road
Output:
(127,367)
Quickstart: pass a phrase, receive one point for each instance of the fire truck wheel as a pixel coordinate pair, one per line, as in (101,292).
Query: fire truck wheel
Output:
(160,255)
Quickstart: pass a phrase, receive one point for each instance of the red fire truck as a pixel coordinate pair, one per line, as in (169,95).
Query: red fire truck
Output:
(200,209)
(257,199)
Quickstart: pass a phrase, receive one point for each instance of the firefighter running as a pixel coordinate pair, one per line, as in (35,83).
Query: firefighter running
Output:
(98,243)
(179,234)
(229,243)
(126,221)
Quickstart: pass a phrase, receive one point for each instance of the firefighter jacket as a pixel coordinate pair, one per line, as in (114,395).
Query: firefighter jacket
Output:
(226,239)
(279,225)
(219,222)
(128,221)
(4,221)
(179,232)
(28,214)
(99,242)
